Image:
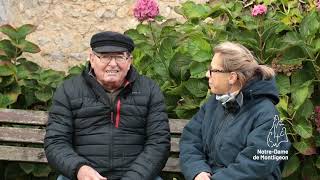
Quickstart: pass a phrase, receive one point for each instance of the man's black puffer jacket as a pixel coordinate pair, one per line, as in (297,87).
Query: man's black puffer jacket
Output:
(125,139)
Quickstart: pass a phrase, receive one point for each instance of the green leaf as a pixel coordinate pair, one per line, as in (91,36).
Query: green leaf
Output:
(26,69)
(4,58)
(75,70)
(29,96)
(301,94)
(309,25)
(166,50)
(186,110)
(27,167)
(143,29)
(305,147)
(5,101)
(29,83)
(28,46)
(291,166)
(318,162)
(293,39)
(309,171)
(44,94)
(13,171)
(159,18)
(9,31)
(283,84)
(51,77)
(41,170)
(24,30)
(293,56)
(197,87)
(250,23)
(198,70)
(169,31)
(192,10)
(6,70)
(179,64)
(177,91)
(305,110)
(282,106)
(199,48)
(160,68)
(299,77)
(317,139)
(219,9)
(316,45)
(6,81)
(8,48)
(137,37)
(303,127)
(12,91)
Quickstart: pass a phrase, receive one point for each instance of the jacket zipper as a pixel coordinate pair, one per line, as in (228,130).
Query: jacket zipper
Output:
(118,113)
(116,122)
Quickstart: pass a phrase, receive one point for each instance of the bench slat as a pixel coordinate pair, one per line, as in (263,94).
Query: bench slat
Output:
(30,117)
(24,135)
(172,165)
(177,125)
(29,135)
(25,154)
(29,154)
(19,116)
(175,145)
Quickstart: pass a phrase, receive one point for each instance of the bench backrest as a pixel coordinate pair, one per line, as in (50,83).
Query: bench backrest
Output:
(22,133)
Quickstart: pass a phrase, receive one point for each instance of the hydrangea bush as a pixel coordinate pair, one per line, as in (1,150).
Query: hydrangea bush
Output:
(282,34)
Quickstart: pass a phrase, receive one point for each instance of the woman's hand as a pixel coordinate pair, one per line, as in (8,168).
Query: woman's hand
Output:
(203,176)
(88,173)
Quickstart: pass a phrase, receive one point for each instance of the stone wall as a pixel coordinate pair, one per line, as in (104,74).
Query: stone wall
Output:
(64,27)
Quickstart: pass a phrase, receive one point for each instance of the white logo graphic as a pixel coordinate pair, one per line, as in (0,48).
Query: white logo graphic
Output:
(277,133)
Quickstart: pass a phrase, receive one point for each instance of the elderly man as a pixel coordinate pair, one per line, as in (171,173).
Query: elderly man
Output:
(109,122)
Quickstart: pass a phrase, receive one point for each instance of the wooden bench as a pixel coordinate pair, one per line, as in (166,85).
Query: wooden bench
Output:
(22,133)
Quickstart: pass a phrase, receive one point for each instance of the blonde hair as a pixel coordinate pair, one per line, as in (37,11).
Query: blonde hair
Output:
(237,58)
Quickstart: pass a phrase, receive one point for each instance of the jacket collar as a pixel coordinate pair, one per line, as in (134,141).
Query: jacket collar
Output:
(234,106)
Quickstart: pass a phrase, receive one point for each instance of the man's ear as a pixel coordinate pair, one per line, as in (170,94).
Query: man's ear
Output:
(91,58)
(233,78)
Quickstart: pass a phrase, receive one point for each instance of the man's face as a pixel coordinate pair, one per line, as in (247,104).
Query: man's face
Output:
(110,68)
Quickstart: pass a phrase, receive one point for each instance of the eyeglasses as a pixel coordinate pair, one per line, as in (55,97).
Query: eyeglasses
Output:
(104,58)
(216,70)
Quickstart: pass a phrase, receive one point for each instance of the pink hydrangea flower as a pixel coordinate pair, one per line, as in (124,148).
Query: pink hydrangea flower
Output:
(318,5)
(146,10)
(259,10)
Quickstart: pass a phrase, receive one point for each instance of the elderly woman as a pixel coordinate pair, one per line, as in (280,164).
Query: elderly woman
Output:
(237,133)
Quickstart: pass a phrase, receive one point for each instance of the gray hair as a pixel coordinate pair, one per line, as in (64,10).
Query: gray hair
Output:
(237,58)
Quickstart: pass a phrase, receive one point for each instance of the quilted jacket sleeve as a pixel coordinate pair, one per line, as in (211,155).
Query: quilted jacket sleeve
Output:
(58,138)
(192,157)
(150,162)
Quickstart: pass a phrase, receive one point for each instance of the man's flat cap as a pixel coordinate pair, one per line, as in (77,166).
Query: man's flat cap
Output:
(109,41)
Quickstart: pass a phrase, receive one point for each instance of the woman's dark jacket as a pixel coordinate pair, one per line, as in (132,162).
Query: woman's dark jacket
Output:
(223,139)
(125,139)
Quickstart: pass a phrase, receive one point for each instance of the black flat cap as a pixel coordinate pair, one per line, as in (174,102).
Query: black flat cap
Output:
(109,41)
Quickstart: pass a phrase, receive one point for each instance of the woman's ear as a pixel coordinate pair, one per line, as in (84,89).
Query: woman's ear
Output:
(233,78)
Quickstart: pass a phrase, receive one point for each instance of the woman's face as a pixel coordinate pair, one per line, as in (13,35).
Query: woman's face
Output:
(218,78)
